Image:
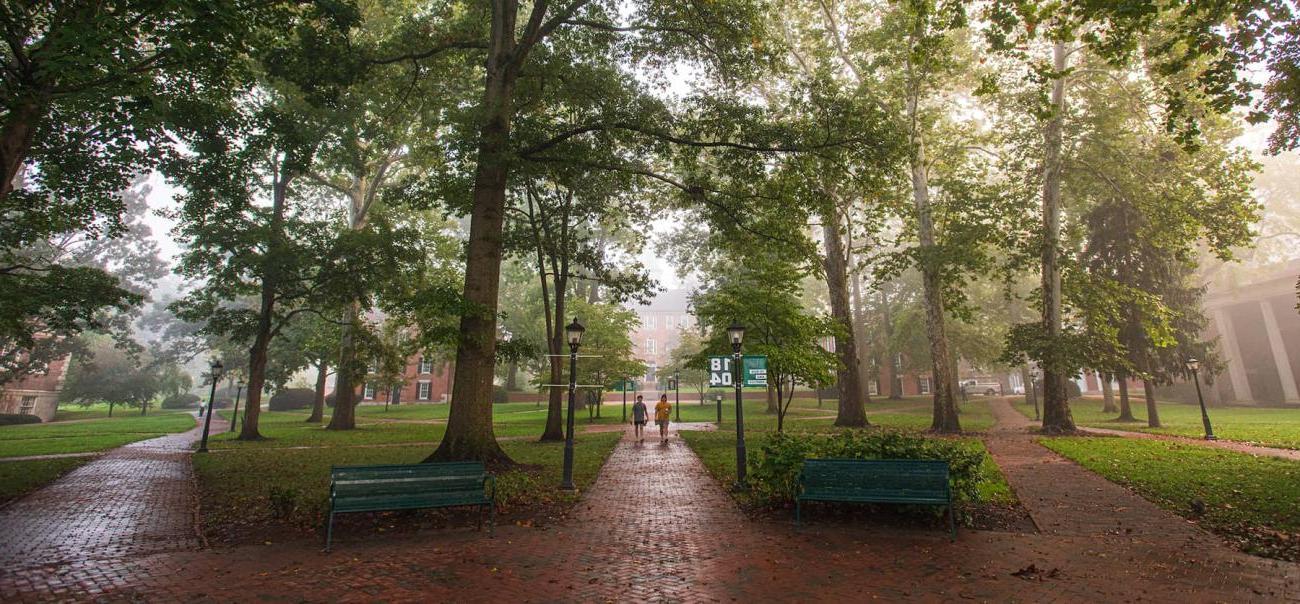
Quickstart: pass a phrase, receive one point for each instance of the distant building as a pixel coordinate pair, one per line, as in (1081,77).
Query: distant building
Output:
(36,394)
(1259,337)
(662,322)
(423,381)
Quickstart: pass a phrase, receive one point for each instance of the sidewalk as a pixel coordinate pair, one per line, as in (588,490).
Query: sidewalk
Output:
(87,532)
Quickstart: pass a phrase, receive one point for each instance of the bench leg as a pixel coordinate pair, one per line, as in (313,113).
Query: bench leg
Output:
(480,519)
(329,533)
(952,523)
(492,518)
(798,509)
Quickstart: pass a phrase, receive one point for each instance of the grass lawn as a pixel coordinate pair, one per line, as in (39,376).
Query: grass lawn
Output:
(1266,426)
(91,435)
(17,478)
(242,491)
(1250,499)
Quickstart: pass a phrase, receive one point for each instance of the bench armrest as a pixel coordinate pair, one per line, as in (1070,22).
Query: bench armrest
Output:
(491,480)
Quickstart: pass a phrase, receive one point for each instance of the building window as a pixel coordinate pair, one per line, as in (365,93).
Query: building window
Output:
(650,346)
(423,391)
(369,392)
(426,365)
(924,385)
(650,372)
(873,387)
(28,405)
(649,321)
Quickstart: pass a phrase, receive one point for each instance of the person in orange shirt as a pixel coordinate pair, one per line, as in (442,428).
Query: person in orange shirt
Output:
(662,411)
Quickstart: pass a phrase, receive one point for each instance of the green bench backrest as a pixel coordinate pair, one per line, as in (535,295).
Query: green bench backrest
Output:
(880,478)
(350,482)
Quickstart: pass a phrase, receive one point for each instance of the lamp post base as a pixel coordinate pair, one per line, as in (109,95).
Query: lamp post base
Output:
(1211,437)
(569,488)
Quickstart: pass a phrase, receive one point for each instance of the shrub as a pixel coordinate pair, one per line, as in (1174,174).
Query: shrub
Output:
(499,394)
(774,470)
(329,400)
(183,400)
(292,398)
(13,419)
(1072,390)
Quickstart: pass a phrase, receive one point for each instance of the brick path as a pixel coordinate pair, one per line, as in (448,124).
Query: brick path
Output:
(79,535)
(655,527)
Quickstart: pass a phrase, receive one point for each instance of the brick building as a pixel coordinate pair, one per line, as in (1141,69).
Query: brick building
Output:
(424,381)
(662,322)
(36,394)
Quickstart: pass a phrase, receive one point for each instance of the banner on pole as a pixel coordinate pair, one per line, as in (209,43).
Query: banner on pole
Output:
(753,371)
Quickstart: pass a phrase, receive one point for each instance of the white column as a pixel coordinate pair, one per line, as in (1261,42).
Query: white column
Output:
(1236,370)
(1280,357)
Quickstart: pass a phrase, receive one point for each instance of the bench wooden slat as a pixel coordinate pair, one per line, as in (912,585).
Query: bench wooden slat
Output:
(404,487)
(903,481)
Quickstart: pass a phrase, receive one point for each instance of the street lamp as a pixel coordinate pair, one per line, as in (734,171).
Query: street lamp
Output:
(677,393)
(215,366)
(718,397)
(1033,391)
(1193,366)
(625,380)
(574,332)
(234,415)
(736,333)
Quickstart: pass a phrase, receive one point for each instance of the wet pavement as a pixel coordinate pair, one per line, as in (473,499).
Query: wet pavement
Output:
(656,527)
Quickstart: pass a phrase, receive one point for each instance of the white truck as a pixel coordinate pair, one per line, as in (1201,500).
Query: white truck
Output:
(985,386)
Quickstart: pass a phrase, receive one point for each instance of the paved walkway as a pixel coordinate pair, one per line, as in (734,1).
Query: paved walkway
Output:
(656,527)
(84,534)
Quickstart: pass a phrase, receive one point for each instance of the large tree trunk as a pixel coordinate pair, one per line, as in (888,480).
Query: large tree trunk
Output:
(318,403)
(469,434)
(945,408)
(16,141)
(772,406)
(266,308)
(345,403)
(512,376)
(1056,406)
(887,326)
(860,335)
(851,411)
(1107,394)
(1125,406)
(1153,414)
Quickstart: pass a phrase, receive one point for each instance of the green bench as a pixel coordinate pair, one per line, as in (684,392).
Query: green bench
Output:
(409,487)
(908,481)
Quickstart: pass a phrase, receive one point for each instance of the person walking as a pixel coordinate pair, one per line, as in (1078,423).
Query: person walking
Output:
(639,417)
(663,411)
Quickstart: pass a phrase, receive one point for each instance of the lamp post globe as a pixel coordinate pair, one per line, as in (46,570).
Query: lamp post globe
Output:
(574,332)
(216,368)
(1194,366)
(736,335)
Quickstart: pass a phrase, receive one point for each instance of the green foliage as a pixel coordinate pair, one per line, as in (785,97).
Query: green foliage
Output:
(289,399)
(111,374)
(182,400)
(500,395)
(14,419)
(774,468)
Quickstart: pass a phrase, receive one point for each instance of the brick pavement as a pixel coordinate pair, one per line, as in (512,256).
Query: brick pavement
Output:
(655,527)
(79,534)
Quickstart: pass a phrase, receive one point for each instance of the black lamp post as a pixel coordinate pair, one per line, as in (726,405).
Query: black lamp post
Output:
(718,398)
(736,333)
(574,331)
(234,415)
(1193,366)
(677,393)
(625,380)
(215,366)
(1033,391)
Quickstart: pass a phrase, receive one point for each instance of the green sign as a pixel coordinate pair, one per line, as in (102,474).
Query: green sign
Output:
(754,371)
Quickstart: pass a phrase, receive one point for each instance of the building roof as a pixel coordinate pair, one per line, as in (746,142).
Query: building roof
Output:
(671,300)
